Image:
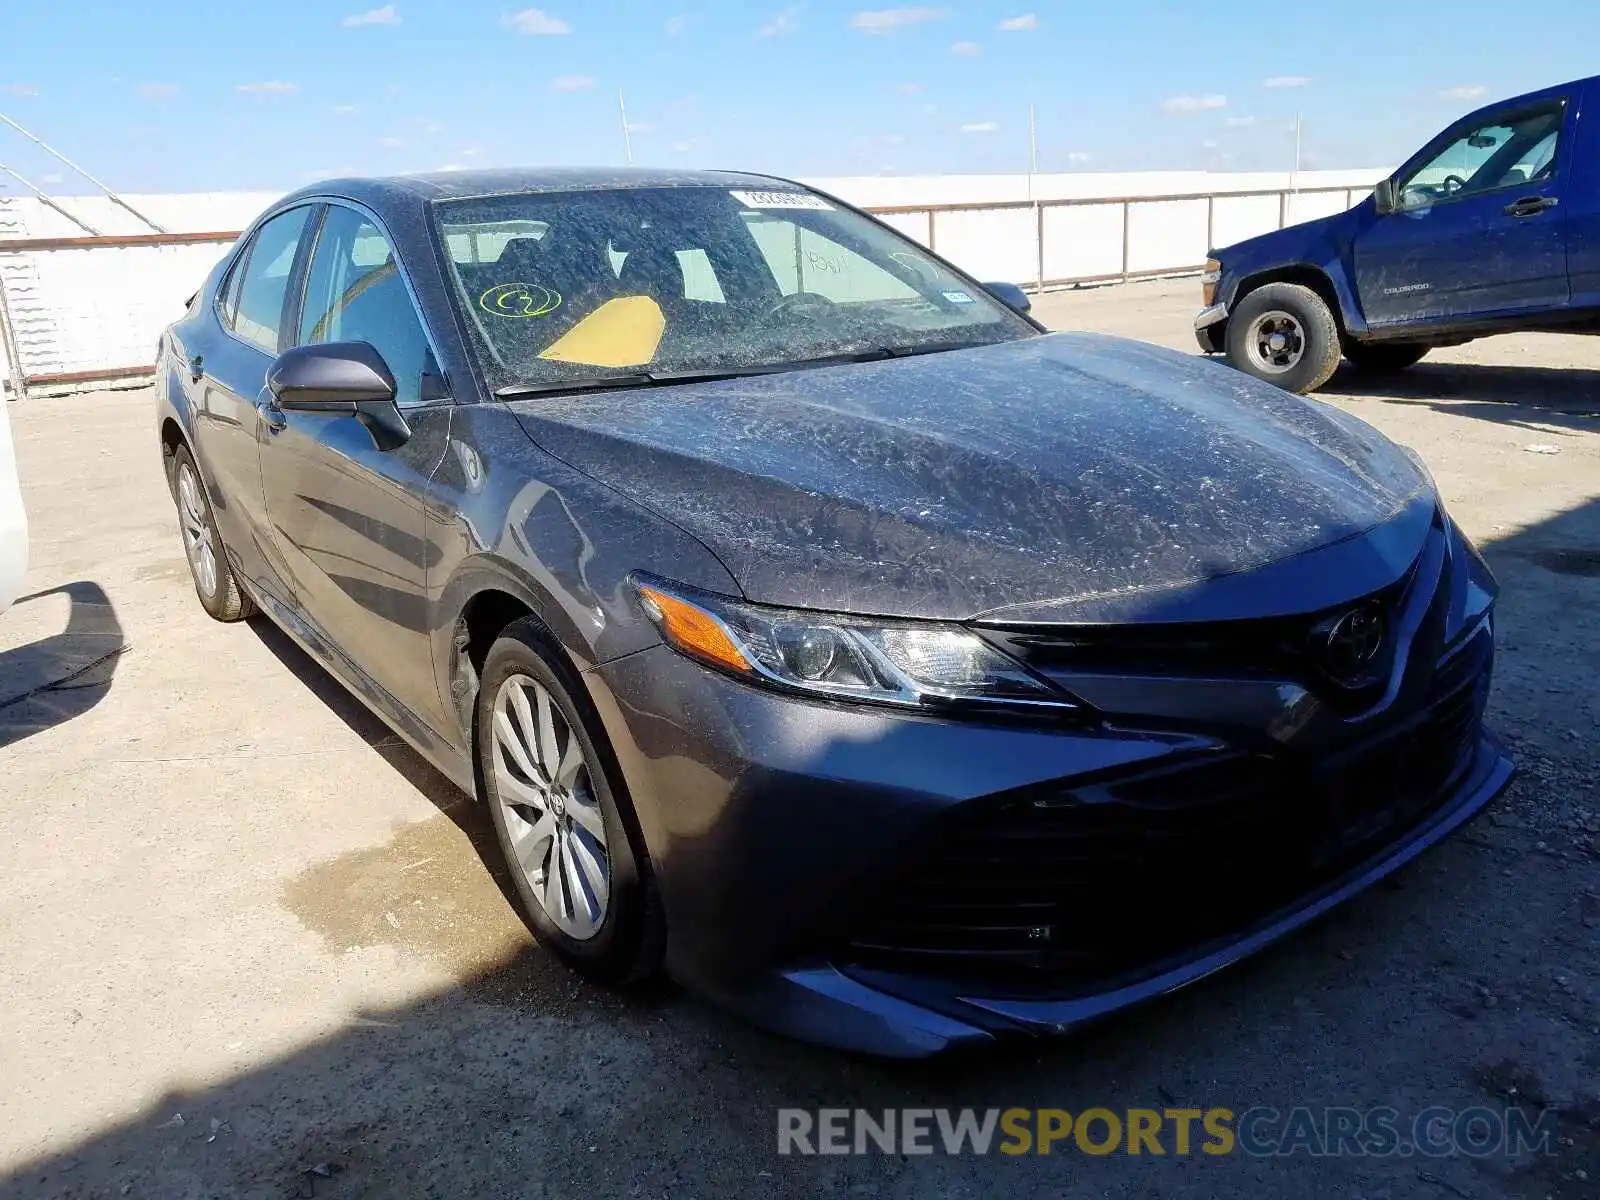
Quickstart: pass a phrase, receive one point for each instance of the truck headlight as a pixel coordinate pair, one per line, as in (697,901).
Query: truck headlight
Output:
(1209,281)
(915,664)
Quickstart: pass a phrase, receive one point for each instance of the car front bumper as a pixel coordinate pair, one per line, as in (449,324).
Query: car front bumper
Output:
(1209,326)
(777,826)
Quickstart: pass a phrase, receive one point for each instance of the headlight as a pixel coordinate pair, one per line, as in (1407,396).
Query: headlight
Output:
(1209,281)
(915,664)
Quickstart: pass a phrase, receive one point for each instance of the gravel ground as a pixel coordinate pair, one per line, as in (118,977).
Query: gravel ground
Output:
(249,945)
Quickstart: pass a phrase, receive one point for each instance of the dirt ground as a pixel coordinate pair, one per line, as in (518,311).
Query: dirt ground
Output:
(249,945)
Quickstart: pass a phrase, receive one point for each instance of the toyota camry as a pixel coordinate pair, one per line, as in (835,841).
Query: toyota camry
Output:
(812,624)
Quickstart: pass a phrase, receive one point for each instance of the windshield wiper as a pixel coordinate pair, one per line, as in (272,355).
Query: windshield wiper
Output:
(634,379)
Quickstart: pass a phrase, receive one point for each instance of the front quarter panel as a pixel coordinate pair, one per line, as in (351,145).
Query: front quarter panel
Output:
(509,517)
(1322,245)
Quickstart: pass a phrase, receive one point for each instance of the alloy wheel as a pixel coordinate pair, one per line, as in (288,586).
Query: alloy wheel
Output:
(1276,343)
(545,790)
(198,543)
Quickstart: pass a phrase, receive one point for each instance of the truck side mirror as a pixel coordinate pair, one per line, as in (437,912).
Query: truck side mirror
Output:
(1384,197)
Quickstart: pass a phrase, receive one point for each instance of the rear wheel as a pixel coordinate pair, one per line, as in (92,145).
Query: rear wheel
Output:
(1383,358)
(579,870)
(214,582)
(1285,334)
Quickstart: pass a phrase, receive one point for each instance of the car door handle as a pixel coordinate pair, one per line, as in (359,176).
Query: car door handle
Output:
(1531,206)
(271,416)
(197,368)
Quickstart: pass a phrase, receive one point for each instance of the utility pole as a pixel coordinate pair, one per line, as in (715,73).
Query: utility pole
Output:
(627,134)
(1038,210)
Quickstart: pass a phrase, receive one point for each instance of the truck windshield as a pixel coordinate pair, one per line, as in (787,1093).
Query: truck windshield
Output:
(569,285)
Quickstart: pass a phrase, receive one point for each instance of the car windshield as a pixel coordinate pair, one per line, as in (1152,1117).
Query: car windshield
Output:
(682,280)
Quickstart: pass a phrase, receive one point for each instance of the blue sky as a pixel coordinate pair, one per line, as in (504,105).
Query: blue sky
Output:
(179,96)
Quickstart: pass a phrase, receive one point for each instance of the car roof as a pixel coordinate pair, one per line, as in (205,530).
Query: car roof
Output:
(390,190)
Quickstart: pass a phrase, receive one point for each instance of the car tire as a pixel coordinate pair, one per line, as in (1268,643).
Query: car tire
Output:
(556,824)
(1285,334)
(1384,358)
(214,581)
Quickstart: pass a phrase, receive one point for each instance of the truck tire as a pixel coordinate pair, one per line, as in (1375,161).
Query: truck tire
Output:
(1384,358)
(1285,334)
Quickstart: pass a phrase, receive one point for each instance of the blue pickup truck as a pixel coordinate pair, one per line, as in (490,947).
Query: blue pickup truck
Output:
(1492,227)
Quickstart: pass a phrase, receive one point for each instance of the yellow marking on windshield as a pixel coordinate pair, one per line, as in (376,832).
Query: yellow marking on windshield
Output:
(520,300)
(620,333)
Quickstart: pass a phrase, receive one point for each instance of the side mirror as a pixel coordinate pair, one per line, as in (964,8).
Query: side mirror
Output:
(1385,198)
(332,377)
(348,378)
(1010,295)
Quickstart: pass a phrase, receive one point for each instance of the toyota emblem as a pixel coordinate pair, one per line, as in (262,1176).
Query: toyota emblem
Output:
(1354,642)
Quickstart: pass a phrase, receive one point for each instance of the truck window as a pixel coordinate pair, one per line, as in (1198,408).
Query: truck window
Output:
(1510,150)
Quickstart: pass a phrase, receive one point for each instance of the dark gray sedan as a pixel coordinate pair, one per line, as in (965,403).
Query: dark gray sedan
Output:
(812,624)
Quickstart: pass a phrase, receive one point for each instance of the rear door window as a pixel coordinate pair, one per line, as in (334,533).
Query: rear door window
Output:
(264,283)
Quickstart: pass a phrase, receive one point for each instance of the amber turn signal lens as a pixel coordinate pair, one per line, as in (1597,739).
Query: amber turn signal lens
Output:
(693,630)
(1209,281)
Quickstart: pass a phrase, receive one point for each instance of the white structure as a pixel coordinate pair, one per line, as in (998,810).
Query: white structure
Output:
(76,310)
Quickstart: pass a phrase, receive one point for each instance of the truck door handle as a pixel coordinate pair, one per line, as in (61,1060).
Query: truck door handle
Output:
(1531,206)
(197,368)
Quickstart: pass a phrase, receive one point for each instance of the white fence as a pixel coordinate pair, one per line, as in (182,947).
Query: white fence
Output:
(80,310)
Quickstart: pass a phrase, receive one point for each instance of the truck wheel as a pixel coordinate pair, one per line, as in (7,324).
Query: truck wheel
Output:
(1285,334)
(1384,358)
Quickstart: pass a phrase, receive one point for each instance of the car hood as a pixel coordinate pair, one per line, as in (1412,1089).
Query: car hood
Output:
(1067,477)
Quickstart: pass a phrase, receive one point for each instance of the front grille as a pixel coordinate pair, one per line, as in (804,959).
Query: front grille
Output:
(1086,884)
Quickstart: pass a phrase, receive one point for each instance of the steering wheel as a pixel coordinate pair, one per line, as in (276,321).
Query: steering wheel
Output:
(1453,184)
(802,304)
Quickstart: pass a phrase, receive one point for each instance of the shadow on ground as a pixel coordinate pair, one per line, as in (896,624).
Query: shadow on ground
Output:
(63,675)
(1482,391)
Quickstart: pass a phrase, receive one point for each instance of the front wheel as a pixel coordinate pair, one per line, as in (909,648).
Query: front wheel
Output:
(1285,334)
(578,866)
(1384,358)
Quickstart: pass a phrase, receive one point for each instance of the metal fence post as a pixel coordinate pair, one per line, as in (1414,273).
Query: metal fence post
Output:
(1038,214)
(1211,224)
(932,213)
(1127,214)
(1283,210)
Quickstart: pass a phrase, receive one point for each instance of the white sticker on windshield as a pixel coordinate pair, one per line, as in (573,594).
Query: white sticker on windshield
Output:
(782,200)
(958,298)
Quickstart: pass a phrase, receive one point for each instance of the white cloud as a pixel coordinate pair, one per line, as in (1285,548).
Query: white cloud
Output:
(1239,122)
(373,16)
(1019,24)
(572,83)
(887,20)
(981,127)
(783,24)
(686,146)
(50,179)
(1285,81)
(1078,158)
(158,91)
(450,167)
(676,25)
(1208,144)
(18,89)
(536,23)
(272,87)
(1188,104)
(345,110)
(966,49)
(1470,91)
(469,151)
(908,89)
(391,143)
